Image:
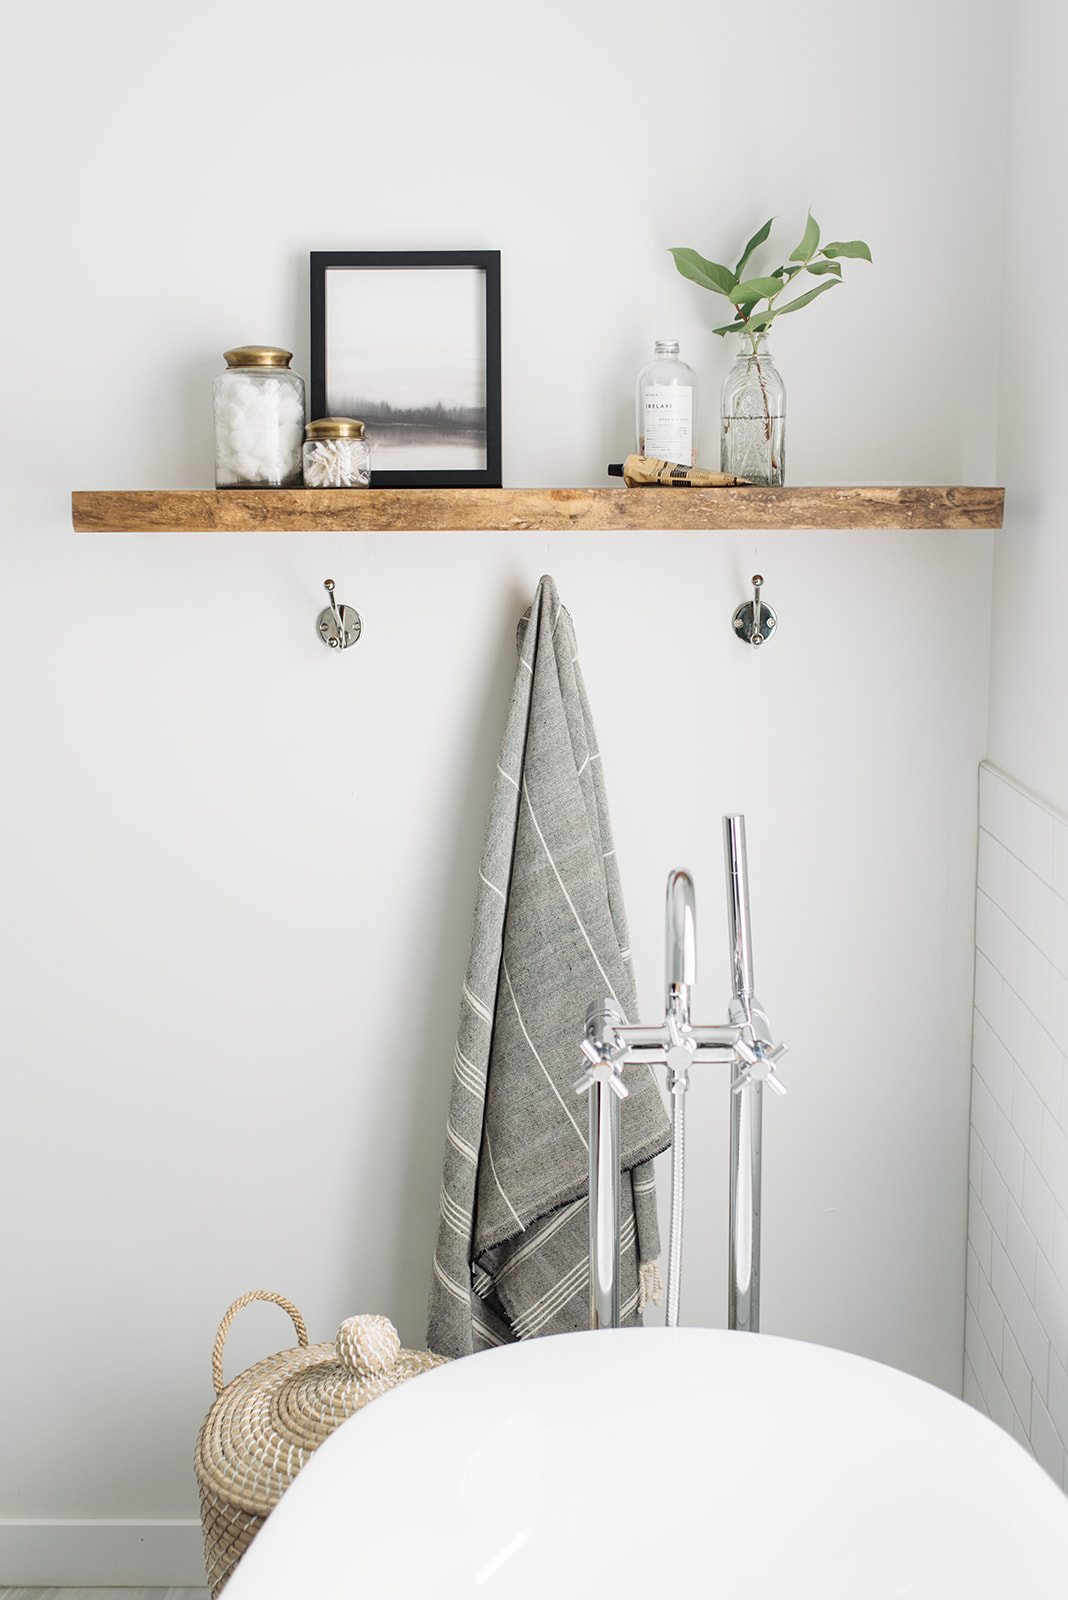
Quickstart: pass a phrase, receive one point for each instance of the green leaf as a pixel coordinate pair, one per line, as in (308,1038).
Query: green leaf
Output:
(855,248)
(709,274)
(819,268)
(760,323)
(803,300)
(732,327)
(757,240)
(809,242)
(755,289)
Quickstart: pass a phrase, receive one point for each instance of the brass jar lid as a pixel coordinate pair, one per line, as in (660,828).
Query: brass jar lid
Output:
(334,428)
(257,355)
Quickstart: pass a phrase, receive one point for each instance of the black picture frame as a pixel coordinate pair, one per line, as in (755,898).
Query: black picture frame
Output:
(367,329)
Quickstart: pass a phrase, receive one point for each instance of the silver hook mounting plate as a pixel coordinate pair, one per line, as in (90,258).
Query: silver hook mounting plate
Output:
(339,626)
(753,621)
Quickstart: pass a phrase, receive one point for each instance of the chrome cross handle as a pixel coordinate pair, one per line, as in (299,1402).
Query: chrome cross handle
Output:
(756,1064)
(605,1066)
(680,1053)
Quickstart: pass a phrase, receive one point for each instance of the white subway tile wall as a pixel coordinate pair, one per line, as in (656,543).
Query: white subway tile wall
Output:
(1016,1332)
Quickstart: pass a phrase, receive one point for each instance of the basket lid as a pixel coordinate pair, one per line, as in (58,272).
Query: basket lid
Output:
(270,1420)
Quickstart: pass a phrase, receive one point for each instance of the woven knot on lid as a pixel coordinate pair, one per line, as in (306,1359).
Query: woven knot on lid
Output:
(367,1345)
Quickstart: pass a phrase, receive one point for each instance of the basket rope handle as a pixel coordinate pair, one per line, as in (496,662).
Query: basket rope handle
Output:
(224,1328)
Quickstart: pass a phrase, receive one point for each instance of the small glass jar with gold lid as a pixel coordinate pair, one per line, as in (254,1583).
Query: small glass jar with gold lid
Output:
(336,454)
(259,420)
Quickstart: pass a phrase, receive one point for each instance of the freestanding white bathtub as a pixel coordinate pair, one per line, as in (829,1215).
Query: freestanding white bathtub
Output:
(665,1462)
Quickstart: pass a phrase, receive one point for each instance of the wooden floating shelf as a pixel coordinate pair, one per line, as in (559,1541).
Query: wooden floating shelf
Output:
(530,510)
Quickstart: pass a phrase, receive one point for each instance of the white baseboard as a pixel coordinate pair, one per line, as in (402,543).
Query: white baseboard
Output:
(88,1554)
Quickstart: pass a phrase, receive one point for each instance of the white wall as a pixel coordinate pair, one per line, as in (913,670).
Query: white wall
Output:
(1016,1342)
(239,872)
(1029,665)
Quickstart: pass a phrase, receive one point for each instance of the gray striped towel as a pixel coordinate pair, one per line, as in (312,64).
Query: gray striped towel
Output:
(549,937)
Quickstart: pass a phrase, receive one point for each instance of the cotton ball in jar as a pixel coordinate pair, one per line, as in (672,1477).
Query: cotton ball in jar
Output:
(259,414)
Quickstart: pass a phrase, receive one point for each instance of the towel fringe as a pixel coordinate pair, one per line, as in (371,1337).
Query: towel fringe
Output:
(650,1285)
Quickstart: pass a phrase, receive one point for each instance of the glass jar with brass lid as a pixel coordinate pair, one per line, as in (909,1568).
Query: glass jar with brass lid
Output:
(336,454)
(259,420)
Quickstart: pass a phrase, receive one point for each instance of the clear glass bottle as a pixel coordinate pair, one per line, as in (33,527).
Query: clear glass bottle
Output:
(753,415)
(667,407)
(259,420)
(336,454)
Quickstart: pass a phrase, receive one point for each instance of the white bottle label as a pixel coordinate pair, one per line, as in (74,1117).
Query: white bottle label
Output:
(669,422)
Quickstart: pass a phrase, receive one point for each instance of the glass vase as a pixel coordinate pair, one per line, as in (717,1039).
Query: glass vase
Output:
(753,415)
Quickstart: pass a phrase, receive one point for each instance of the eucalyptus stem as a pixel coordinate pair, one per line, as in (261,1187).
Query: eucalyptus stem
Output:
(754,300)
(763,395)
(746,294)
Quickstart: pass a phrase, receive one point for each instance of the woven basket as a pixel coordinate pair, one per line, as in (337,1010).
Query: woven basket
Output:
(269,1421)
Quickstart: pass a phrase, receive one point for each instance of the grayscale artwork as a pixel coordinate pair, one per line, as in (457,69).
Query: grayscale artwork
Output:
(406,354)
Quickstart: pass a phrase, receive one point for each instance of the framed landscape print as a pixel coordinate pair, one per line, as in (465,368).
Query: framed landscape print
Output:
(409,342)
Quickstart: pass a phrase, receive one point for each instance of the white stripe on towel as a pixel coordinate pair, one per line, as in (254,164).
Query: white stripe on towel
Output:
(567,897)
(487,1335)
(468,1074)
(565,1289)
(497,1181)
(528,1324)
(481,1282)
(454,1215)
(450,1284)
(461,1144)
(478,1006)
(537,1058)
(558,1219)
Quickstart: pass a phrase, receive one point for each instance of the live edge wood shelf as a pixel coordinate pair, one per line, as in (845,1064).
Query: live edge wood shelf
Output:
(530,510)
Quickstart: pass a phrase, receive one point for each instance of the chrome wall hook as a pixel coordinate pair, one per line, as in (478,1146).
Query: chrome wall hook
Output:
(754,622)
(339,626)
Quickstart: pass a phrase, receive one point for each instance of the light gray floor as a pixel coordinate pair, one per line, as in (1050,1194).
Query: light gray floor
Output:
(103,1594)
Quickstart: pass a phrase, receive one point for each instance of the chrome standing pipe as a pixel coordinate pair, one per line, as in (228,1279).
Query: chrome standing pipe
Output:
(743,1291)
(738,930)
(744,1042)
(680,946)
(602,1020)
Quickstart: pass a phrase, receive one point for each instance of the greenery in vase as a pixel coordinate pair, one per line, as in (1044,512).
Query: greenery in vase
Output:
(752,315)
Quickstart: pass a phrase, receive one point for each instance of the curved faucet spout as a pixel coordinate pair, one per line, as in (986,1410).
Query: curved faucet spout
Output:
(681,942)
